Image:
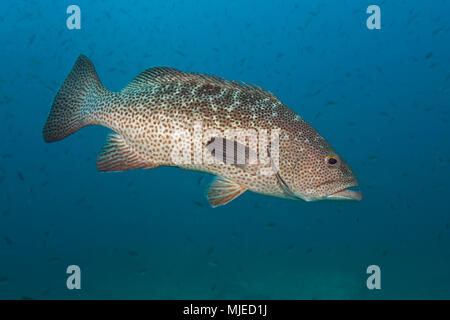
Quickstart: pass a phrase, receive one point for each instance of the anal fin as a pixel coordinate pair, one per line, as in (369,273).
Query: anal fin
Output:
(224,190)
(118,155)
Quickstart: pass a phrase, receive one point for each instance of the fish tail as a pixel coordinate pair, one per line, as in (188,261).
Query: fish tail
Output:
(75,101)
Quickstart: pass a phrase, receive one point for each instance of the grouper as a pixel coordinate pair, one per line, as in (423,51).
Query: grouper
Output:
(240,133)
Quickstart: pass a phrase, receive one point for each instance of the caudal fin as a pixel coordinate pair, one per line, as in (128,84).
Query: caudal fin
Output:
(74,101)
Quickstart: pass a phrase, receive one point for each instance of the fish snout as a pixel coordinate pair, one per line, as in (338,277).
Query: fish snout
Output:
(349,191)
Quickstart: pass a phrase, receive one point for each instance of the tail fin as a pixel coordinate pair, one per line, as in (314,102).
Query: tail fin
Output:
(74,101)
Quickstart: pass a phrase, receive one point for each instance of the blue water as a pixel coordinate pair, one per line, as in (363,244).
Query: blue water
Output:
(380,97)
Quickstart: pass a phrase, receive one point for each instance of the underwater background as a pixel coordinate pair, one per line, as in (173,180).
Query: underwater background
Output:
(380,97)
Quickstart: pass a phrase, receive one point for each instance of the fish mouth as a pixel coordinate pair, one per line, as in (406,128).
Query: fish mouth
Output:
(346,194)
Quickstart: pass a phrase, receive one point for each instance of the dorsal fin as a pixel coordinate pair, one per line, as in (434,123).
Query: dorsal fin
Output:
(152,76)
(159,75)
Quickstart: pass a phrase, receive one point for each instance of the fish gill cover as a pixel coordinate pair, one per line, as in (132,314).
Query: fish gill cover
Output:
(337,82)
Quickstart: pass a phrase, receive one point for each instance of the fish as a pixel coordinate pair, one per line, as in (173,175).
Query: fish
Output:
(20,175)
(8,241)
(243,135)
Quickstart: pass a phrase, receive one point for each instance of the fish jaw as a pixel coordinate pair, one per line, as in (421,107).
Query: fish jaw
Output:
(343,194)
(346,194)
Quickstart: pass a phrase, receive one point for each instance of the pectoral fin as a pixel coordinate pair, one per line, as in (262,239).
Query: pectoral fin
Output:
(118,155)
(224,190)
(231,152)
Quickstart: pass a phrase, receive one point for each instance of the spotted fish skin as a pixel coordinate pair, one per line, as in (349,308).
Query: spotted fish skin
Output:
(149,115)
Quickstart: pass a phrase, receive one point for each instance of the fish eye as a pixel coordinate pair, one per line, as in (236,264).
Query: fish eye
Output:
(331,160)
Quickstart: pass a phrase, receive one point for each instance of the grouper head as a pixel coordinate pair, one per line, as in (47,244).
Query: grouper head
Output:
(310,169)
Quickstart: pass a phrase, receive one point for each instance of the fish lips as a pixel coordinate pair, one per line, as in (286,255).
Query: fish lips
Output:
(346,194)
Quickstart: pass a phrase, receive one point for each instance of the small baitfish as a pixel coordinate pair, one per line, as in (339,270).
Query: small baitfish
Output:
(238,132)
